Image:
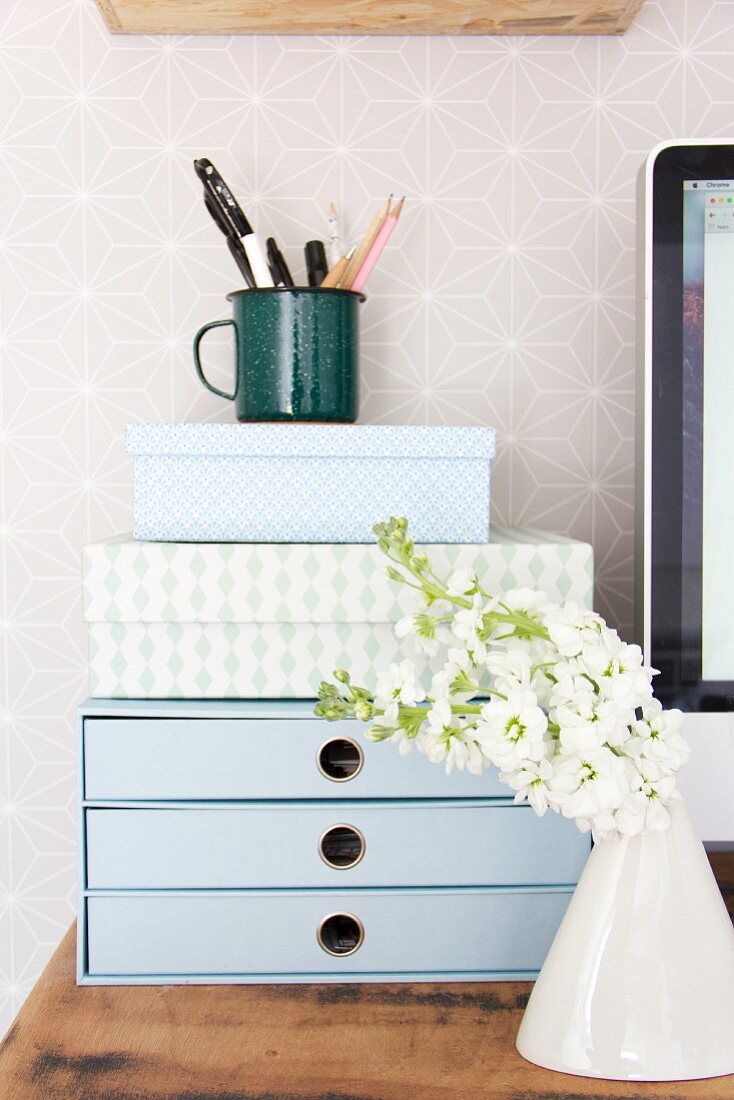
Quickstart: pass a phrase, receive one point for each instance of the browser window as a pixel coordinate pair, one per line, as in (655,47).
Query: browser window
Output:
(718,437)
(708,349)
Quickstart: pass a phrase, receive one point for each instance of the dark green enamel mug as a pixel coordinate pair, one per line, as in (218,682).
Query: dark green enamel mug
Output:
(296,354)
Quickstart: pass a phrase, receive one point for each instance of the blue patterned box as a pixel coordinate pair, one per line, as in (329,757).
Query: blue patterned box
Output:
(308,483)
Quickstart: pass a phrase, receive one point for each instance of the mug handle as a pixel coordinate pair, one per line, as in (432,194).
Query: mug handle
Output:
(197,361)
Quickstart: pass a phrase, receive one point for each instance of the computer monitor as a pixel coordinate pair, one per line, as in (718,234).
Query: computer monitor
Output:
(685,492)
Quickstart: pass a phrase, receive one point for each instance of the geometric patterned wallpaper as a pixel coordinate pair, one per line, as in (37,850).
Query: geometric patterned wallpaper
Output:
(508,298)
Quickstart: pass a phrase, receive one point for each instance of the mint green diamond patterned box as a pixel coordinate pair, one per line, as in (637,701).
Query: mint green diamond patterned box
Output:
(249,620)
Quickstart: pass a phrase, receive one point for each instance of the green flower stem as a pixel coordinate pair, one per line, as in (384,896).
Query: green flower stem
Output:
(432,587)
(525,622)
(459,709)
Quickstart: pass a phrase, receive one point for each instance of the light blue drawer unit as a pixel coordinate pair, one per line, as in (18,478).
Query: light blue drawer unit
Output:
(306,845)
(260,936)
(235,842)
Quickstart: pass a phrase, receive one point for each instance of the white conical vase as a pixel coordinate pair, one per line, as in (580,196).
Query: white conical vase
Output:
(639,982)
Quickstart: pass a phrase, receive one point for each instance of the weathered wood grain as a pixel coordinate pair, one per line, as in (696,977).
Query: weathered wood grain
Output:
(310,1042)
(369,16)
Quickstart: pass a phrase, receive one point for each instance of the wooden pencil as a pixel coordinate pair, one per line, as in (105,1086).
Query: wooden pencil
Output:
(374,253)
(365,244)
(336,273)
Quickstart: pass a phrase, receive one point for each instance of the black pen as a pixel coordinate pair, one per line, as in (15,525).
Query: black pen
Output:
(233,241)
(229,214)
(278,266)
(316,264)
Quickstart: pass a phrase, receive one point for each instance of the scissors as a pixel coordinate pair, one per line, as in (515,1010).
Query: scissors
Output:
(226,214)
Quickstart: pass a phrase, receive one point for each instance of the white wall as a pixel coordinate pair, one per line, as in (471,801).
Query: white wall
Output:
(507,300)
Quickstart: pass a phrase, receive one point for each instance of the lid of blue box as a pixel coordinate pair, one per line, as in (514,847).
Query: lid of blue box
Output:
(311,440)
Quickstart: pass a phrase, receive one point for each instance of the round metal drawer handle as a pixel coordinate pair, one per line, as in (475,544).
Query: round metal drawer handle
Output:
(341,846)
(340,934)
(340,759)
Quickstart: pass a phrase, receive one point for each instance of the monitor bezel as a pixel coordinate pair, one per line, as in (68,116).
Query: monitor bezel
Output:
(660,484)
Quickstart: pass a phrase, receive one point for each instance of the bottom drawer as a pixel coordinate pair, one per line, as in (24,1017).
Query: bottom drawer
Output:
(310,935)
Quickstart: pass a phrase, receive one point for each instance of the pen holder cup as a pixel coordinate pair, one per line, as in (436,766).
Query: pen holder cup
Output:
(296,354)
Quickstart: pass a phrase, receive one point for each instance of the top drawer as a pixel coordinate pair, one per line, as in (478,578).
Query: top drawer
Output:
(258,758)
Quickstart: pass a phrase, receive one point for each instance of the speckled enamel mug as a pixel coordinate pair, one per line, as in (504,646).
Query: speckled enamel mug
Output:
(296,354)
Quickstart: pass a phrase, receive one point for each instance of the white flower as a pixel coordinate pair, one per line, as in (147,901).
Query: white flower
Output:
(531,783)
(524,599)
(468,620)
(645,808)
(415,625)
(512,730)
(568,625)
(571,689)
(461,582)
(456,749)
(590,787)
(460,659)
(398,685)
(444,684)
(444,740)
(659,738)
(571,722)
(390,712)
(579,732)
(405,626)
(405,744)
(511,668)
(618,671)
(440,716)
(441,684)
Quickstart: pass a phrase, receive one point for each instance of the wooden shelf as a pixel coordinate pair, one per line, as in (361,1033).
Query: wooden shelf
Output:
(357,17)
(378,1042)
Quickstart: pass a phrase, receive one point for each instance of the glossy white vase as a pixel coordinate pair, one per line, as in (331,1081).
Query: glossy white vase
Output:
(639,982)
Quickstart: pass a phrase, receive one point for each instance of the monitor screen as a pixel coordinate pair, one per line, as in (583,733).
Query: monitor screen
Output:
(708,427)
(692,421)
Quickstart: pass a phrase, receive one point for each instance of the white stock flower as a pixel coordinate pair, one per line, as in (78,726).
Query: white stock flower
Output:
(579,732)
(511,668)
(645,808)
(531,783)
(445,741)
(524,599)
(405,744)
(468,620)
(589,788)
(460,659)
(512,730)
(461,582)
(448,682)
(411,624)
(570,720)
(440,716)
(441,684)
(618,671)
(569,627)
(659,738)
(398,685)
(405,626)
(571,689)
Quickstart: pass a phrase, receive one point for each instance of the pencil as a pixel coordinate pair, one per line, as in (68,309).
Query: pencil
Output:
(334,248)
(380,241)
(366,244)
(337,271)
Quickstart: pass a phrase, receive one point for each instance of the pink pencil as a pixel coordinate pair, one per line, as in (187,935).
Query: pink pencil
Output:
(373,255)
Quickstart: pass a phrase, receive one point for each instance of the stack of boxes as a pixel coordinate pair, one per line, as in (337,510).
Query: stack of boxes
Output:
(229,835)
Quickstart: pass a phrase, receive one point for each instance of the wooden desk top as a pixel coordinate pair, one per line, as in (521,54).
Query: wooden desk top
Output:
(308,1042)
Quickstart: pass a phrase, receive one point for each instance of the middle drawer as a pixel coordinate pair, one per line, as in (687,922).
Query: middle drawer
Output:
(302,845)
